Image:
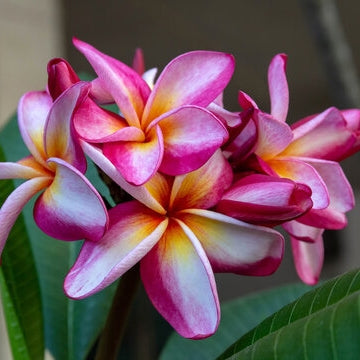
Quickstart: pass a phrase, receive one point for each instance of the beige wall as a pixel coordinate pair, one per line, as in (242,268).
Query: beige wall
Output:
(30,34)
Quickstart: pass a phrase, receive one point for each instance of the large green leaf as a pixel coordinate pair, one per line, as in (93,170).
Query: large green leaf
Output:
(71,327)
(322,324)
(237,317)
(20,290)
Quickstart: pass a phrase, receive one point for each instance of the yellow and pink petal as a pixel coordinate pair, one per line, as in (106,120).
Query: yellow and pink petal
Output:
(133,231)
(179,281)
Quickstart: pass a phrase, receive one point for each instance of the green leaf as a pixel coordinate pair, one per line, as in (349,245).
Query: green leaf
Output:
(20,290)
(237,317)
(71,326)
(322,324)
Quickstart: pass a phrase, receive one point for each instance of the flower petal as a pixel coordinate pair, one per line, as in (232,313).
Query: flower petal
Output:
(308,259)
(191,136)
(234,246)
(60,138)
(273,135)
(137,161)
(128,89)
(278,87)
(133,231)
(202,188)
(95,124)
(14,204)
(302,232)
(298,170)
(33,110)
(193,78)
(324,136)
(265,200)
(26,168)
(180,283)
(70,208)
(141,193)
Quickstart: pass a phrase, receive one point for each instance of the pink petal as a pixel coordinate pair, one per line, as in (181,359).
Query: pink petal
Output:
(302,232)
(273,135)
(138,62)
(33,110)
(141,193)
(95,124)
(308,258)
(127,88)
(300,171)
(191,136)
(60,138)
(246,102)
(70,208)
(180,283)
(278,87)
(202,188)
(133,231)
(14,204)
(234,246)
(265,200)
(324,136)
(61,77)
(183,83)
(228,118)
(137,161)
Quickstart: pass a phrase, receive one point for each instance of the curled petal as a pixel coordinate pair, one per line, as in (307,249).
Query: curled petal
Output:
(138,62)
(33,110)
(191,136)
(308,259)
(126,87)
(265,200)
(98,125)
(183,83)
(141,193)
(229,119)
(273,135)
(133,231)
(235,246)
(70,208)
(137,161)
(61,77)
(299,171)
(14,204)
(278,87)
(246,102)
(60,138)
(180,283)
(204,187)
(302,232)
(323,136)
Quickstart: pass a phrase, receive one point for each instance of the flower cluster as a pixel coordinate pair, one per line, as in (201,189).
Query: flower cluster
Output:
(207,185)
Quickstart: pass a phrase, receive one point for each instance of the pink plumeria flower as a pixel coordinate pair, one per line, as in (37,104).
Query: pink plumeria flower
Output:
(299,153)
(180,246)
(167,127)
(69,207)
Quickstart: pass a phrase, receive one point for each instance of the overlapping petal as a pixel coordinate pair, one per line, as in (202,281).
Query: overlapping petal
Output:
(26,168)
(137,161)
(235,246)
(191,136)
(194,78)
(125,85)
(180,283)
(70,208)
(265,200)
(133,231)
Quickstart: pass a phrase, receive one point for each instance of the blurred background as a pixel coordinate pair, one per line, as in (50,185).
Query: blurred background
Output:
(32,32)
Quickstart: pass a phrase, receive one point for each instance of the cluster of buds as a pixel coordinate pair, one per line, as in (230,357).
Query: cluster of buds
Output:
(206,185)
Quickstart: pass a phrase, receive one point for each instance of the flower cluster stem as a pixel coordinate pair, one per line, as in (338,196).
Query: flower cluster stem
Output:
(112,335)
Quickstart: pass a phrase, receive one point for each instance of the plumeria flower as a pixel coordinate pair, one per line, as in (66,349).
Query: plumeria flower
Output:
(69,208)
(167,127)
(300,153)
(180,246)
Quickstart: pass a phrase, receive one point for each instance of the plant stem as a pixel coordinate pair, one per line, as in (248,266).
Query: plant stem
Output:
(112,335)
